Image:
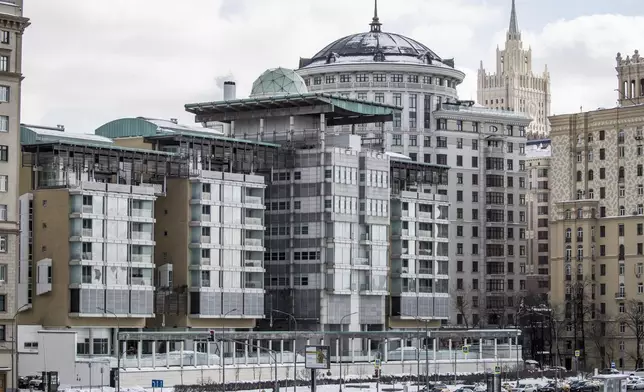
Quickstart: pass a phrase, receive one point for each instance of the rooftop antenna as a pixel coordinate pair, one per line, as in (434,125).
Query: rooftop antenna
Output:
(375,22)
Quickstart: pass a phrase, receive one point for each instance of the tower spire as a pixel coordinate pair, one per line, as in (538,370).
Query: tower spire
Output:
(513,30)
(375,21)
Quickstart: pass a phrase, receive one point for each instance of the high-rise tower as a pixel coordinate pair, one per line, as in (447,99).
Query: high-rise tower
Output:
(514,86)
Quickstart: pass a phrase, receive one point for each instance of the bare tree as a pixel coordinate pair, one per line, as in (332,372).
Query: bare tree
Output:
(467,303)
(600,334)
(633,318)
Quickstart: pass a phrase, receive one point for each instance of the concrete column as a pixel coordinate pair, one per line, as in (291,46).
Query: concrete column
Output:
(167,354)
(353,359)
(154,354)
(281,350)
(139,349)
(208,354)
(480,348)
(181,353)
(261,129)
(246,352)
(496,349)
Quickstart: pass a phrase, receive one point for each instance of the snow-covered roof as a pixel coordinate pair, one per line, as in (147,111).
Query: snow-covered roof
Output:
(396,155)
(34,134)
(171,126)
(538,150)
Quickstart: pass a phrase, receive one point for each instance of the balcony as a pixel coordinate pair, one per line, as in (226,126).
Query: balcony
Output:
(425,289)
(87,209)
(253,284)
(253,200)
(620,296)
(140,281)
(361,261)
(205,283)
(425,215)
(425,252)
(568,239)
(252,242)
(143,213)
(365,287)
(253,263)
(365,237)
(404,232)
(140,258)
(141,235)
(425,271)
(86,256)
(205,196)
(253,221)
(580,239)
(86,233)
(425,233)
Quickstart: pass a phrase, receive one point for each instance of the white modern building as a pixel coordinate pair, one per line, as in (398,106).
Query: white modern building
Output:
(484,149)
(513,85)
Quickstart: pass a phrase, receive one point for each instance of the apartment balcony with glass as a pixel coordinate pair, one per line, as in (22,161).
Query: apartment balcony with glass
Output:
(141,232)
(141,210)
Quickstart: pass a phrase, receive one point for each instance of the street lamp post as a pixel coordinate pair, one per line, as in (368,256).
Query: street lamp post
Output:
(272,353)
(294,346)
(14,351)
(341,340)
(554,321)
(118,349)
(223,357)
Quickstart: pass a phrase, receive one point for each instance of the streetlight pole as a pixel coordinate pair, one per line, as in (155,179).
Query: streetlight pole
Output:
(270,352)
(341,352)
(118,349)
(14,351)
(223,357)
(294,346)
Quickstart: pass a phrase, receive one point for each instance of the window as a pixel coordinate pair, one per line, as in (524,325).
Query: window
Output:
(397,78)
(4,94)
(4,153)
(3,212)
(3,303)
(5,37)
(4,63)
(4,182)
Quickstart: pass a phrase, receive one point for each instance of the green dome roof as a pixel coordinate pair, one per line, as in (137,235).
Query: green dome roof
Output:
(278,82)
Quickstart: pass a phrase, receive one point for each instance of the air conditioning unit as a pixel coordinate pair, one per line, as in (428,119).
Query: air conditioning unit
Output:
(405,270)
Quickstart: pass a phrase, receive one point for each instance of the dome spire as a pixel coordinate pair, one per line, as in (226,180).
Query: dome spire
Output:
(375,22)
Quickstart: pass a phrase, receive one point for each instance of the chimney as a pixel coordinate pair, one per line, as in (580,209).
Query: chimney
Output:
(230,91)
(173,120)
(60,127)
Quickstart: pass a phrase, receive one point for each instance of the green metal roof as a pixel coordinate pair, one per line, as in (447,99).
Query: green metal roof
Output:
(349,107)
(150,128)
(100,146)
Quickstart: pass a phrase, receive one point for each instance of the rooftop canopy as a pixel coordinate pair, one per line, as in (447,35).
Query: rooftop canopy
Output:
(338,110)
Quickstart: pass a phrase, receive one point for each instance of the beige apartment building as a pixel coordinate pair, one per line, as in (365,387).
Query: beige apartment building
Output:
(597,230)
(12,26)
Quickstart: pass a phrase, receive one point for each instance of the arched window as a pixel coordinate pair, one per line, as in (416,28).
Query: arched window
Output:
(580,269)
(620,136)
(622,252)
(580,252)
(579,175)
(568,270)
(568,252)
(620,173)
(567,214)
(580,194)
(622,211)
(580,234)
(580,213)
(591,175)
(379,56)
(493,128)
(568,233)
(591,194)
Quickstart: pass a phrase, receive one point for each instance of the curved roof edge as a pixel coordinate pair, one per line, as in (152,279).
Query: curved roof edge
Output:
(145,126)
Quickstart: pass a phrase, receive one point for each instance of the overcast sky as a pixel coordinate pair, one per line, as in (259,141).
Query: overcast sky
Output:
(87,62)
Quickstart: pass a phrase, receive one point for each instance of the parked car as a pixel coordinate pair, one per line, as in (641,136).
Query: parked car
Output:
(609,371)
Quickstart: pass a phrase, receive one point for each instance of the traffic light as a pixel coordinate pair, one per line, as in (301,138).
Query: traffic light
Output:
(211,338)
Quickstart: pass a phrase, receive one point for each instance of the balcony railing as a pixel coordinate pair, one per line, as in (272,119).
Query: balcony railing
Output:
(87,232)
(253,242)
(365,287)
(88,209)
(425,215)
(425,289)
(253,221)
(426,271)
(620,295)
(253,284)
(205,196)
(205,218)
(141,235)
(86,256)
(253,263)
(140,258)
(425,233)
(404,232)
(360,261)
(253,200)
(142,212)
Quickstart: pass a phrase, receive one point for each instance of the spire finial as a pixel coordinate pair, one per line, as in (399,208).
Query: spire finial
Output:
(513,30)
(375,21)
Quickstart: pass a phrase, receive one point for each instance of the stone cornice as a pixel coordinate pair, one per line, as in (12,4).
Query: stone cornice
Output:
(13,22)
(478,117)
(420,69)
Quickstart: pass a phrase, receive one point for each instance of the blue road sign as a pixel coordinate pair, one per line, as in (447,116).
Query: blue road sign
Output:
(157,383)
(612,365)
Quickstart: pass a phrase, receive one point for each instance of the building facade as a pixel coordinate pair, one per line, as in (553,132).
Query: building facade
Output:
(538,199)
(597,232)
(486,152)
(13,25)
(433,128)
(514,86)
